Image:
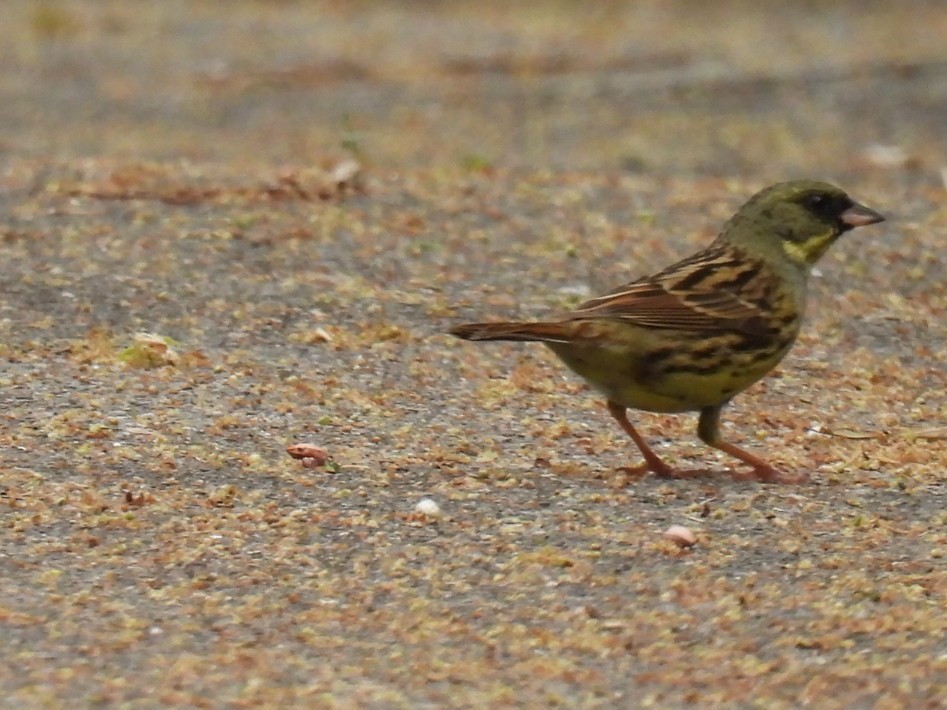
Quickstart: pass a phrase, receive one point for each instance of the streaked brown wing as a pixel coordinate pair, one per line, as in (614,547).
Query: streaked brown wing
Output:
(709,292)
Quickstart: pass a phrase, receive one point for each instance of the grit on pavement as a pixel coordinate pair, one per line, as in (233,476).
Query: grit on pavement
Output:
(296,201)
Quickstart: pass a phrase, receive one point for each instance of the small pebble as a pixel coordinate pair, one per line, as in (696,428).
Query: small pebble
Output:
(428,507)
(310,454)
(346,173)
(681,536)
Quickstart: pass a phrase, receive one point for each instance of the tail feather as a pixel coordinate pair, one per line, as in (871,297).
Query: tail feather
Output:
(544,332)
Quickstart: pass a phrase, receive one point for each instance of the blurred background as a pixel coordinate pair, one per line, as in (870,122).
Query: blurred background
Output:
(724,88)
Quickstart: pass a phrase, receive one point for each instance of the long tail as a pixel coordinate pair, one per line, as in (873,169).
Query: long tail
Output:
(545,332)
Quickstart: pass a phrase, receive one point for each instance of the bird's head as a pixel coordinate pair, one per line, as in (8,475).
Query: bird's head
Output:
(800,219)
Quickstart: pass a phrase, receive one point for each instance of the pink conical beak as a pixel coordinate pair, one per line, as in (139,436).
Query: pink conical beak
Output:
(859,216)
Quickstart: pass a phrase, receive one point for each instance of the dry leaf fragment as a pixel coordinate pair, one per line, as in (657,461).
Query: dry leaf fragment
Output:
(223,497)
(137,500)
(933,434)
(852,434)
(817,428)
(149,350)
(313,337)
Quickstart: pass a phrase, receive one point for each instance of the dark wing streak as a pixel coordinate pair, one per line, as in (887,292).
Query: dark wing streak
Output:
(653,305)
(689,295)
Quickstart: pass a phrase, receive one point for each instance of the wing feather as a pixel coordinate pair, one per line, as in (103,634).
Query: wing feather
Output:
(713,293)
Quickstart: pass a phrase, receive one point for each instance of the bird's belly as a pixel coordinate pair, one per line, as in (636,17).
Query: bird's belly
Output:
(629,378)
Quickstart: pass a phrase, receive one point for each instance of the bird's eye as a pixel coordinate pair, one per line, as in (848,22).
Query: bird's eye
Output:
(815,202)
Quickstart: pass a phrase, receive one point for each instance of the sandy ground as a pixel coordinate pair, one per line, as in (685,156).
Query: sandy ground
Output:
(169,168)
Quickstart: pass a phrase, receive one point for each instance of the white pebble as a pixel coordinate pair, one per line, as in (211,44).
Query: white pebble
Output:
(426,506)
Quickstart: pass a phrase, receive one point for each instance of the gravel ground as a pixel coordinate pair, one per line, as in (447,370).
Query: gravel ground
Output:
(174,169)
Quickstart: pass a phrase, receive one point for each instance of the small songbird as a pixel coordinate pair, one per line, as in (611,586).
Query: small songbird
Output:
(692,336)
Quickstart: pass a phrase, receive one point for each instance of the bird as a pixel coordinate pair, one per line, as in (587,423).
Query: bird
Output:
(691,337)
